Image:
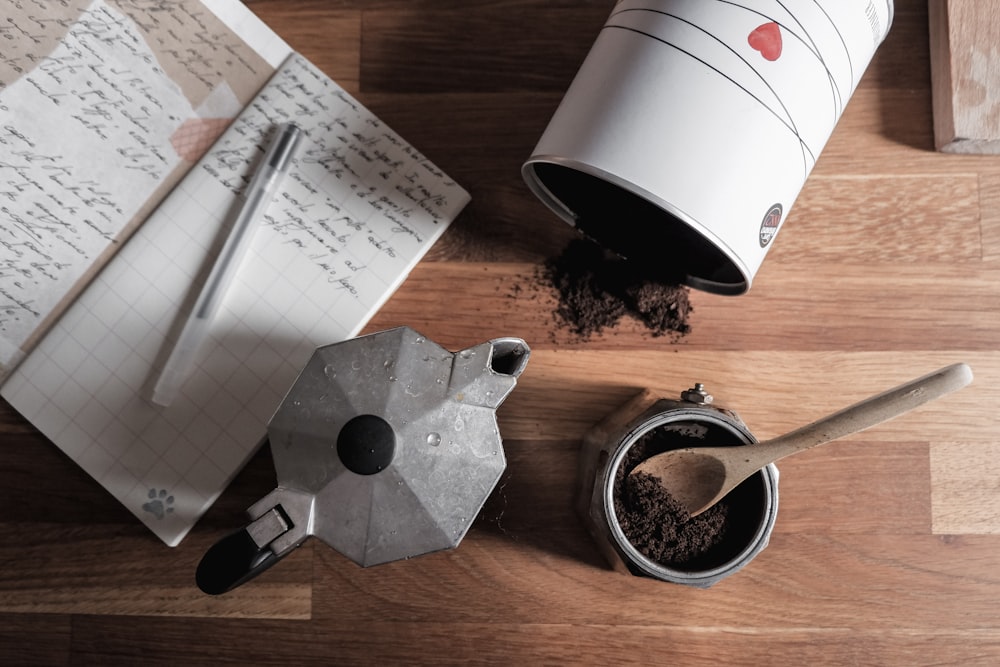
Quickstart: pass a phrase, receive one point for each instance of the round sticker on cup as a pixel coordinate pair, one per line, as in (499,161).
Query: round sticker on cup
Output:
(769,225)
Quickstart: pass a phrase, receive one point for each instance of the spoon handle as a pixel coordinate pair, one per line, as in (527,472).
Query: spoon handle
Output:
(867,413)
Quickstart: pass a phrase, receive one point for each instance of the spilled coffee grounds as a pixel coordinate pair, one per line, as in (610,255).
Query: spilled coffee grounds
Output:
(596,290)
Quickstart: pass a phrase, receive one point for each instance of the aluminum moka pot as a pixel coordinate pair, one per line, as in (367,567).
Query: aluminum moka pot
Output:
(385,447)
(607,456)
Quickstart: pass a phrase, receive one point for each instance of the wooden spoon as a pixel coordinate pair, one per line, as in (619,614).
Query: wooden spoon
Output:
(699,477)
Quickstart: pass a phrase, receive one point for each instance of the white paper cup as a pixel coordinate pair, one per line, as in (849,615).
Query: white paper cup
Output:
(692,126)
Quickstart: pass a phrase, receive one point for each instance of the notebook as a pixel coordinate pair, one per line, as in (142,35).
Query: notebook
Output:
(358,208)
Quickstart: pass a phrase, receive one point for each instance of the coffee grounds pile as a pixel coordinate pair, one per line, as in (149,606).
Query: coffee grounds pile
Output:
(596,290)
(660,527)
(653,521)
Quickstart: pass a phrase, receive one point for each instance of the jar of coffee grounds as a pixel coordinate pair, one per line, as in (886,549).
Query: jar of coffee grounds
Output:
(638,527)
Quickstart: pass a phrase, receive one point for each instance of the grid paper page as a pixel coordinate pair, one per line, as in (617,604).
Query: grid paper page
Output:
(357,210)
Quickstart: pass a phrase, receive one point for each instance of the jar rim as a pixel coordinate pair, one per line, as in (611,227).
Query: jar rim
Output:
(705,577)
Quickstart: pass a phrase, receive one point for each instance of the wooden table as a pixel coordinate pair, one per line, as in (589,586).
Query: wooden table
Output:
(887,545)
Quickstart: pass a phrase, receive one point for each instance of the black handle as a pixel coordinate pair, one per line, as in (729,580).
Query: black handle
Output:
(242,555)
(231,561)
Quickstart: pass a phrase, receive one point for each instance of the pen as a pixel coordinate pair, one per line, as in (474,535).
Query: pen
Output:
(258,195)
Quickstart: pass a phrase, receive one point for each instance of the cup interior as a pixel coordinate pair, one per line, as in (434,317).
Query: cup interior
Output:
(749,505)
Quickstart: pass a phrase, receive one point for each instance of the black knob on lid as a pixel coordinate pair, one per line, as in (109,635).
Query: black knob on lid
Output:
(366,444)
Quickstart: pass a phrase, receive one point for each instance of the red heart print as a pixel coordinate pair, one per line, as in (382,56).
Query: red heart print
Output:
(766,38)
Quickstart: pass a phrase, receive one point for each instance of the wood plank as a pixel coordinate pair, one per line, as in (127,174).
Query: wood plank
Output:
(331,40)
(36,640)
(989,195)
(807,306)
(883,582)
(806,385)
(965,483)
(263,601)
(863,487)
(406,51)
(550,642)
(965,75)
(928,217)
(150,581)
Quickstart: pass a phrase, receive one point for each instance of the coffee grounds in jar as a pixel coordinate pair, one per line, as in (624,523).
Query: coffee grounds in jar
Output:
(655,523)
(660,527)
(597,289)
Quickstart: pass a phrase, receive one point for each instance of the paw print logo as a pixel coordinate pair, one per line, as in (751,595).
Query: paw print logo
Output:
(160,503)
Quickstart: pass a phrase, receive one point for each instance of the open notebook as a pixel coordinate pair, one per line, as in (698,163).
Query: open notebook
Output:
(357,210)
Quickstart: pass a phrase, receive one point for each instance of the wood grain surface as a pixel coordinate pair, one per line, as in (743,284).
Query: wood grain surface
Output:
(887,545)
(965,75)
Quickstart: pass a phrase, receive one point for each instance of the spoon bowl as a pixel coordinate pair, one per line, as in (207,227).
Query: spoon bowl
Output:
(699,477)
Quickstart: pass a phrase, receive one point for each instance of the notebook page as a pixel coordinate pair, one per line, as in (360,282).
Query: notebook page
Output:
(104,105)
(357,210)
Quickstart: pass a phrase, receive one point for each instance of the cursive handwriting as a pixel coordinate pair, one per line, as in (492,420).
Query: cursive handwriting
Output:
(91,93)
(358,201)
